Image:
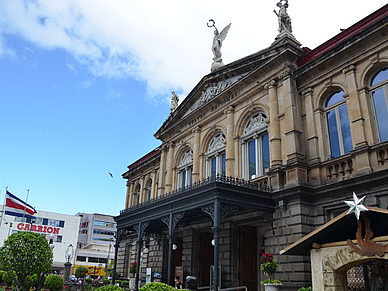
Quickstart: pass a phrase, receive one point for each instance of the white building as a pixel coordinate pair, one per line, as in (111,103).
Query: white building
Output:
(63,227)
(95,248)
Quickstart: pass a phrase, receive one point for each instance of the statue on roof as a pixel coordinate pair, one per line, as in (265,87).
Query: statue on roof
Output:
(283,18)
(174,101)
(218,39)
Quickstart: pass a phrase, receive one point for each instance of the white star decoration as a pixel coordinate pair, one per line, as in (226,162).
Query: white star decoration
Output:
(356,206)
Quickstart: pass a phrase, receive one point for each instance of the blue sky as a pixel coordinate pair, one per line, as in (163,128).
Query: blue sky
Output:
(84,87)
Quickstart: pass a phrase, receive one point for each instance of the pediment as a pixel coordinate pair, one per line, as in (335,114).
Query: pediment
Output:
(214,86)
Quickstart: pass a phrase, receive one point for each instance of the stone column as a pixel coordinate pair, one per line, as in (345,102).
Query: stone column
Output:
(356,121)
(162,169)
(293,119)
(355,115)
(312,138)
(274,126)
(202,166)
(229,154)
(237,153)
(129,194)
(197,140)
(153,190)
(170,156)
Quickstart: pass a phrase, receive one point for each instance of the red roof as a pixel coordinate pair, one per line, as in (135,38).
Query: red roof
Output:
(144,158)
(343,36)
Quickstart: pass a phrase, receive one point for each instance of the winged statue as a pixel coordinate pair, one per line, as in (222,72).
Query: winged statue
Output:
(218,40)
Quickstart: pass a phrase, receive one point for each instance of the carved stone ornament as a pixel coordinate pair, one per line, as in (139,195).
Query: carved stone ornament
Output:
(366,247)
(211,90)
(174,101)
(270,84)
(186,159)
(348,69)
(217,143)
(255,123)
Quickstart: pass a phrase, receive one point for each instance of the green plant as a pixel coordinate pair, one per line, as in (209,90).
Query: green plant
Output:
(23,254)
(81,272)
(105,281)
(124,283)
(32,281)
(89,280)
(269,266)
(156,286)
(54,282)
(110,288)
(88,288)
(305,289)
(132,269)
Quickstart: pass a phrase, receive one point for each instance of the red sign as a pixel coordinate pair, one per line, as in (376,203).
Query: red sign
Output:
(38,228)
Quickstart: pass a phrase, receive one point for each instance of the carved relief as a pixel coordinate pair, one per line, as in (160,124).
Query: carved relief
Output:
(217,142)
(186,159)
(211,90)
(255,123)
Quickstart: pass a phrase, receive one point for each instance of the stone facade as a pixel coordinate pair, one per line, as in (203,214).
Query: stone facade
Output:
(268,118)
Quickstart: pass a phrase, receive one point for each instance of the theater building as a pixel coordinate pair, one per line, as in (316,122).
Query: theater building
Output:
(260,153)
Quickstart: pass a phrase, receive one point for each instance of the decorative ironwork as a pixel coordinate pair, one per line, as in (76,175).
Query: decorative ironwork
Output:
(155,237)
(143,226)
(225,210)
(229,180)
(175,219)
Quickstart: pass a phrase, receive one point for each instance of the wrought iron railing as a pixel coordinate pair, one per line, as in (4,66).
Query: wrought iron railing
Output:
(206,181)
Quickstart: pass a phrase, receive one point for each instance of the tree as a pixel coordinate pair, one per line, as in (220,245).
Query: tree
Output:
(81,272)
(54,282)
(24,254)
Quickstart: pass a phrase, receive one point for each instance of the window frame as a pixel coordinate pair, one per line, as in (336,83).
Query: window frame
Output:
(374,88)
(185,169)
(216,156)
(336,107)
(254,130)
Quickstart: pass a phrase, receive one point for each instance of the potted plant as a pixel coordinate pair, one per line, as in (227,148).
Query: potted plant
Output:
(269,266)
(132,269)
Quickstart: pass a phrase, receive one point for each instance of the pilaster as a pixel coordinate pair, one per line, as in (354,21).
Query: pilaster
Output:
(170,156)
(162,169)
(196,166)
(230,160)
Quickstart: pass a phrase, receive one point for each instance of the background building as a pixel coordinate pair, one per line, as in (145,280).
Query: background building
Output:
(259,154)
(63,227)
(95,242)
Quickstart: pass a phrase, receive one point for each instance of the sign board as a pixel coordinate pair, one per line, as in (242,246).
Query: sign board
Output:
(157,277)
(148,275)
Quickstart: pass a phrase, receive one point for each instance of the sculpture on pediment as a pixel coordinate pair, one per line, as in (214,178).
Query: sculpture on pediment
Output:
(218,39)
(255,123)
(174,101)
(283,19)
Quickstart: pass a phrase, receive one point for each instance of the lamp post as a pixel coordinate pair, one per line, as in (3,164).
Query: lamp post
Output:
(68,255)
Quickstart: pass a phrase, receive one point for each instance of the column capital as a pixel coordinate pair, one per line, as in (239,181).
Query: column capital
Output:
(288,72)
(230,109)
(196,129)
(308,91)
(349,69)
(270,84)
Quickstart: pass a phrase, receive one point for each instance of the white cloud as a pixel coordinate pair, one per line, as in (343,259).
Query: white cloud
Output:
(114,95)
(165,43)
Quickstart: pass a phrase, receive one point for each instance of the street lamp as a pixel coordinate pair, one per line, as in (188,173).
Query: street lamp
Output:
(68,255)
(51,242)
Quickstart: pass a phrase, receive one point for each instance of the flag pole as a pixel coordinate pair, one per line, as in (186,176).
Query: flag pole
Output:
(25,207)
(2,212)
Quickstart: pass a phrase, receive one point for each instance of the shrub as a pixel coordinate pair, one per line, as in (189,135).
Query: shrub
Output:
(157,286)
(81,272)
(124,283)
(305,289)
(110,288)
(54,282)
(88,288)
(105,281)
(89,280)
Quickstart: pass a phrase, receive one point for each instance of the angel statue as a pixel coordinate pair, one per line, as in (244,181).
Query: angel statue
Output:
(217,42)
(174,101)
(283,18)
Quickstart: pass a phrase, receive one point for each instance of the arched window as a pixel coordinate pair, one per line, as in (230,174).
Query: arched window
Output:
(338,124)
(185,169)
(215,156)
(255,147)
(379,89)
(149,190)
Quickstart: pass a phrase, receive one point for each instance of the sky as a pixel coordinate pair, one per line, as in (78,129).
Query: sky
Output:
(84,85)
